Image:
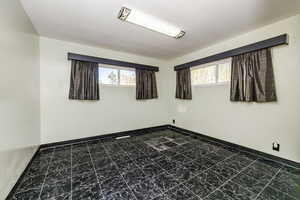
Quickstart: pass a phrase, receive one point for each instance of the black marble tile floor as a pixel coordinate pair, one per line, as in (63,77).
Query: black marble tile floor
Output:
(163,165)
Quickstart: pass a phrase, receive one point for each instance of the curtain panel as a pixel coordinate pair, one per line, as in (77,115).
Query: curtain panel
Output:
(252,77)
(145,84)
(84,84)
(183,84)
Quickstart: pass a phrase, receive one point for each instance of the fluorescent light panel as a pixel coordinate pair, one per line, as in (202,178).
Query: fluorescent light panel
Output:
(150,22)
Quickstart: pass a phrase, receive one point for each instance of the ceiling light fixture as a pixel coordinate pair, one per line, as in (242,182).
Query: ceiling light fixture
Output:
(150,22)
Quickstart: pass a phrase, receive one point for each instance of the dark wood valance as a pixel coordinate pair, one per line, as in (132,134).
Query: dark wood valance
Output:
(107,61)
(272,42)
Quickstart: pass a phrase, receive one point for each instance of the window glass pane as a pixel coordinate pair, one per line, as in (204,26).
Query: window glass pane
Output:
(224,72)
(204,75)
(127,77)
(108,76)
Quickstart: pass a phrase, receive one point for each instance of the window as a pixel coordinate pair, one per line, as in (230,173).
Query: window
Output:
(118,76)
(212,74)
(224,72)
(127,77)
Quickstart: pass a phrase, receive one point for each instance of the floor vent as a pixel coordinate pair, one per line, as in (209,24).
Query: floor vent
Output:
(123,137)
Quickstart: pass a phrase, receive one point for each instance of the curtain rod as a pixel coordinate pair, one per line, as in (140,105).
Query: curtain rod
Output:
(74,56)
(272,42)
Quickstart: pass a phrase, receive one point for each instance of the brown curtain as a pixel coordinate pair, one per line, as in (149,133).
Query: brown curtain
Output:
(84,81)
(183,84)
(252,77)
(145,84)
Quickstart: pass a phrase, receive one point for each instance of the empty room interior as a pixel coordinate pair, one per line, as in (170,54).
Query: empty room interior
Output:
(149,100)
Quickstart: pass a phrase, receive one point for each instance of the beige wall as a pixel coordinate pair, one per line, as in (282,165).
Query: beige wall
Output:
(117,110)
(249,124)
(19,93)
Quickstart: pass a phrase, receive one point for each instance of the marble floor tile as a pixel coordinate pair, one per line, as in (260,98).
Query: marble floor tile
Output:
(212,178)
(224,171)
(236,191)
(195,154)
(113,185)
(255,185)
(55,176)
(160,147)
(291,170)
(107,172)
(237,163)
(287,183)
(205,162)
(180,193)
(218,195)
(114,149)
(180,141)
(170,153)
(96,149)
(53,190)
(78,158)
(64,196)
(182,173)
(196,167)
(79,180)
(170,144)
(183,167)
(60,165)
(152,170)
(31,194)
(214,156)
(146,190)
(165,181)
(125,194)
(37,168)
(120,157)
(195,198)
(32,182)
(62,155)
(133,155)
(91,192)
(247,155)
(209,147)
(134,176)
(42,159)
(272,194)
(167,164)
(263,167)
(82,168)
(98,155)
(127,166)
(101,163)
(162,197)
(199,187)
(141,161)
(155,155)
(181,159)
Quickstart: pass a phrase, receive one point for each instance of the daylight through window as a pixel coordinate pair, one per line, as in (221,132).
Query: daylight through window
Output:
(212,74)
(116,76)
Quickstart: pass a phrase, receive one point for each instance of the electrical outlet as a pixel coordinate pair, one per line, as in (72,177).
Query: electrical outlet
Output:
(174,121)
(276,146)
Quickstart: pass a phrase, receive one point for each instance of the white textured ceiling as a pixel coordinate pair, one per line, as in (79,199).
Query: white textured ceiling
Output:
(94,22)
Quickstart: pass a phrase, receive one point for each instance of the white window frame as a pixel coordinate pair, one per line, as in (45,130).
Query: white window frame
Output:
(119,74)
(217,63)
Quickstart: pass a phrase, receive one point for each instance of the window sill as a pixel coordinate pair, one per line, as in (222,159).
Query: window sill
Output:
(211,85)
(117,86)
